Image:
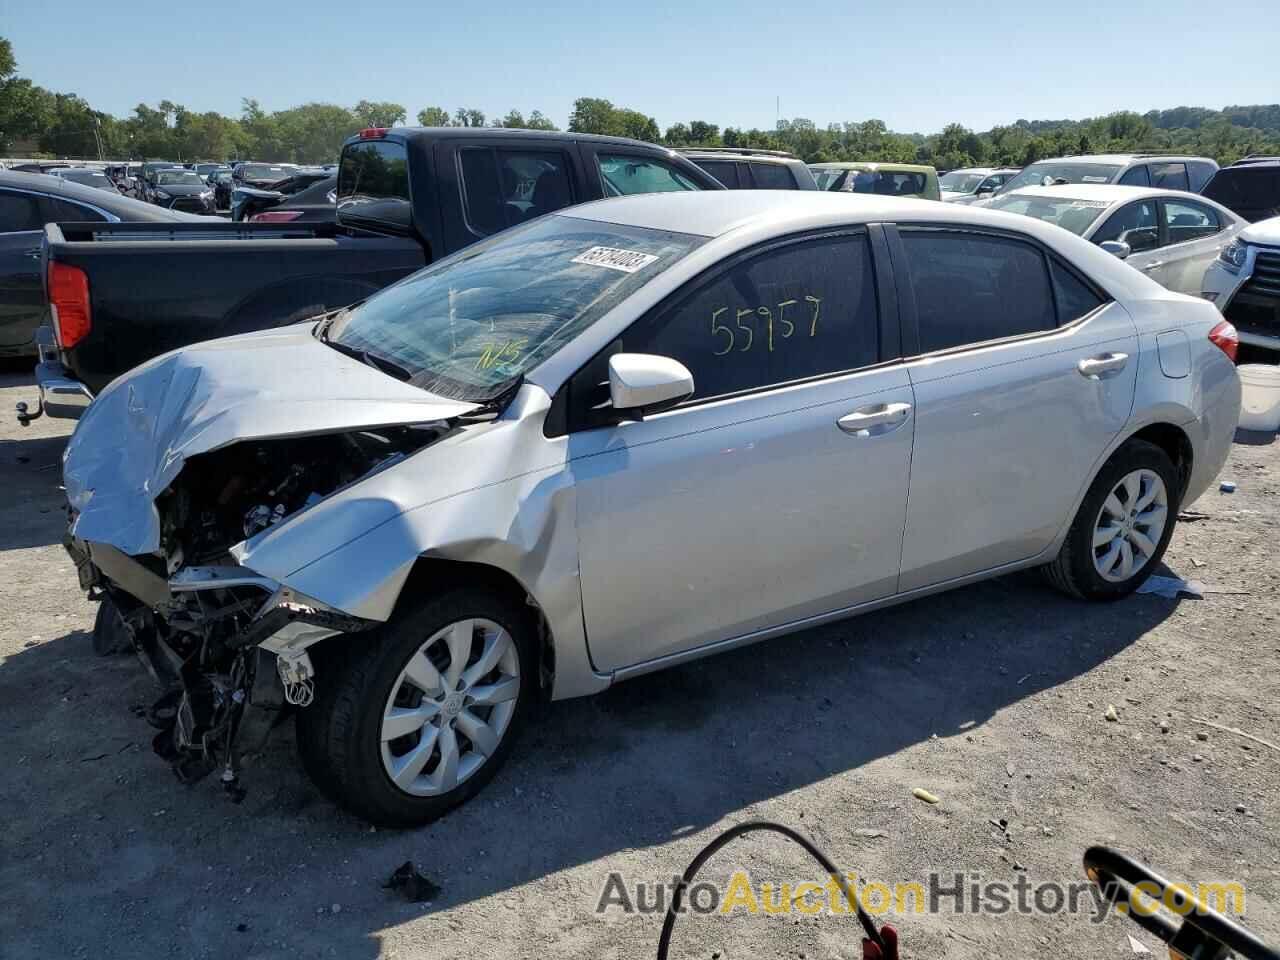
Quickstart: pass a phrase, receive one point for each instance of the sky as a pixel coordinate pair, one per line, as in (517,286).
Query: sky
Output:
(915,64)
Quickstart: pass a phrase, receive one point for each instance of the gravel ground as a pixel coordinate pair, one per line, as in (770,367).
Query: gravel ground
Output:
(992,697)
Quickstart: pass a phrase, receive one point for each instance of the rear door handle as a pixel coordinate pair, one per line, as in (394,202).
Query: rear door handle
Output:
(864,420)
(1154,266)
(1095,367)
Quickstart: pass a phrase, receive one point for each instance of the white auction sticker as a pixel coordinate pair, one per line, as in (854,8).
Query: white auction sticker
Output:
(615,258)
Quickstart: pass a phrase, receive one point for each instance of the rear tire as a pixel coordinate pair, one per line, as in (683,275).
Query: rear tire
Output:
(402,728)
(110,635)
(1122,528)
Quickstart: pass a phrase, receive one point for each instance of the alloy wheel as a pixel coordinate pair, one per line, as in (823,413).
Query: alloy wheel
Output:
(450,707)
(1130,525)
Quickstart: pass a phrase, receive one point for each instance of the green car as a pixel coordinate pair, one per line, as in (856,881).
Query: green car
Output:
(884,179)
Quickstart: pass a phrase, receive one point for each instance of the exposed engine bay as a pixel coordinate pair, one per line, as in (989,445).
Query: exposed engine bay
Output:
(216,636)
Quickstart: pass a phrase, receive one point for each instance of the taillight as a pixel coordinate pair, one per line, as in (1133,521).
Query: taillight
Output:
(373,133)
(69,302)
(1224,337)
(275,216)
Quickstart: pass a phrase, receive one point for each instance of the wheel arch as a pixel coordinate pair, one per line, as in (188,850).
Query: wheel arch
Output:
(1173,440)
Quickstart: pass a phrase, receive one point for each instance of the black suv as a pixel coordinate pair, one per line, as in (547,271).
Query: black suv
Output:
(1249,187)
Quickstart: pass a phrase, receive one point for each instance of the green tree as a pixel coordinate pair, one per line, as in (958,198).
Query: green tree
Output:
(8,65)
(433,117)
(593,115)
(467,117)
(379,113)
(537,121)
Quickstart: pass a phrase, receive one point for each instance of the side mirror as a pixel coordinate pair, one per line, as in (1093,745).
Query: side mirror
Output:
(986,188)
(1117,248)
(642,383)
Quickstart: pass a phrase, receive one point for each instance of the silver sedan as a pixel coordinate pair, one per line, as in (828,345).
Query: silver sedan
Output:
(618,438)
(1170,235)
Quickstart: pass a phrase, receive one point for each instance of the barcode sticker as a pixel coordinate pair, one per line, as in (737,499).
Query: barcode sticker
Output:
(615,258)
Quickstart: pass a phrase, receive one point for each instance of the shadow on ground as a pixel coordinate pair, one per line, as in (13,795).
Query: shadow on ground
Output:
(647,761)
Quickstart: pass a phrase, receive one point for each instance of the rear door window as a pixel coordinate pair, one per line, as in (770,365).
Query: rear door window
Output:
(623,175)
(503,187)
(1136,177)
(64,211)
(19,211)
(1199,173)
(1185,220)
(973,288)
(772,176)
(1170,176)
(726,171)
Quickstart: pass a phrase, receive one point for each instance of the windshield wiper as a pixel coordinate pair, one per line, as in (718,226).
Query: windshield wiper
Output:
(385,364)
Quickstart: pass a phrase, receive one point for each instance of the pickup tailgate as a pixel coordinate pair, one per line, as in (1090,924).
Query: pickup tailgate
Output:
(156,287)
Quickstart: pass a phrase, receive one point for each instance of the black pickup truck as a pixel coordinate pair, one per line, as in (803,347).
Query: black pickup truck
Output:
(123,293)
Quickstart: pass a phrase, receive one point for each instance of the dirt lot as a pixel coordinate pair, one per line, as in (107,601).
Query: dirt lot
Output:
(991,697)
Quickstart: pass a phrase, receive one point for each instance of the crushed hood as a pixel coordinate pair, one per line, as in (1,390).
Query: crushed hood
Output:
(132,442)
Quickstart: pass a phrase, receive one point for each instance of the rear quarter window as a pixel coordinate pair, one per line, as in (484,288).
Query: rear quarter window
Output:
(772,176)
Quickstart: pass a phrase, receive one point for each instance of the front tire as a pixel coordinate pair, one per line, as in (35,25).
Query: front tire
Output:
(414,719)
(1122,528)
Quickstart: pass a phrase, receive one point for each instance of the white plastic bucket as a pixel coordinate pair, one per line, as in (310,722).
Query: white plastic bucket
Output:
(1260,397)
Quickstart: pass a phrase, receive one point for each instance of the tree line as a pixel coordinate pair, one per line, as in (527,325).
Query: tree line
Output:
(66,125)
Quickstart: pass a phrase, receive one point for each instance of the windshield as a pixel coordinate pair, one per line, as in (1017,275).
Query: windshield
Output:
(1066,212)
(172,177)
(1046,172)
(469,326)
(958,181)
(264,171)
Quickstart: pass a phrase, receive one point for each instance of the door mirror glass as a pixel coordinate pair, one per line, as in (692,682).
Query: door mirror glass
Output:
(1117,248)
(987,186)
(645,383)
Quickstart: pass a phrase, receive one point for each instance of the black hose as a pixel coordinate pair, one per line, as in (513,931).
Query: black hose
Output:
(668,924)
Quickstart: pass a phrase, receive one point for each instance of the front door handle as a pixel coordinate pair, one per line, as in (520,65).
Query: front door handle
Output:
(864,420)
(1095,367)
(1154,266)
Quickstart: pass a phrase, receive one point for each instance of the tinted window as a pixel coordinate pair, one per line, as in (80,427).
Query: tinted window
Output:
(64,211)
(882,182)
(18,211)
(373,182)
(1189,221)
(1136,177)
(1169,176)
(504,187)
(772,176)
(1074,297)
(971,288)
(1199,174)
(797,311)
(624,175)
(726,171)
(1134,224)
(1253,192)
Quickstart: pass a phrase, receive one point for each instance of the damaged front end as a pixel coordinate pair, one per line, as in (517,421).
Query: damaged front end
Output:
(179,465)
(217,637)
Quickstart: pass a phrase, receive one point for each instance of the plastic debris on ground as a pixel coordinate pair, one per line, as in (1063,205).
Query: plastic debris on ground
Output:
(1171,587)
(412,885)
(1228,486)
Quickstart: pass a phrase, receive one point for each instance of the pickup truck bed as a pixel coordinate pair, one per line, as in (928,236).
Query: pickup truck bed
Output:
(168,287)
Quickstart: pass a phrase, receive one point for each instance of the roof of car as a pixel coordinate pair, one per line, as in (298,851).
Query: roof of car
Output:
(730,156)
(873,165)
(712,213)
(447,133)
(1119,158)
(1110,192)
